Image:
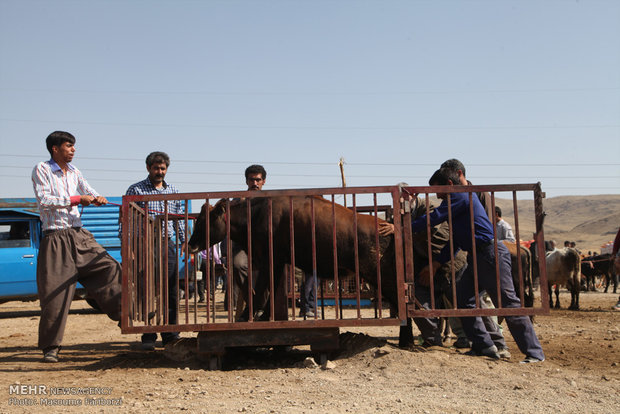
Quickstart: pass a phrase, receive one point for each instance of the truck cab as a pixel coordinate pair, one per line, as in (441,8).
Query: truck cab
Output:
(20,237)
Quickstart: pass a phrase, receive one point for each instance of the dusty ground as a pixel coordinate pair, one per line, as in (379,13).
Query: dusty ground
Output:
(371,374)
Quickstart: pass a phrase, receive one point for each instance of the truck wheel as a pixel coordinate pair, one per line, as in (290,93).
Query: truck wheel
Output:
(93,304)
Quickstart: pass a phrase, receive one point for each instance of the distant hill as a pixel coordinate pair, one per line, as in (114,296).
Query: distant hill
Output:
(590,221)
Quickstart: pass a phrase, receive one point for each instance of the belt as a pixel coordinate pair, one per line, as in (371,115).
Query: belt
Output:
(48,232)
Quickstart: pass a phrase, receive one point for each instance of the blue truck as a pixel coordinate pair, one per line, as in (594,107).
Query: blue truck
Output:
(20,236)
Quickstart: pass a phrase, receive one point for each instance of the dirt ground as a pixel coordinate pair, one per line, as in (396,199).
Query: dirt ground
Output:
(107,372)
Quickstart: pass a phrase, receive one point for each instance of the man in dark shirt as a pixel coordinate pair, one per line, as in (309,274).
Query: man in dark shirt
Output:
(457,168)
(255,178)
(520,326)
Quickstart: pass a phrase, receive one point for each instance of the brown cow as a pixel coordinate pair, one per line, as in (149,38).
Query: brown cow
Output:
(281,210)
(526,268)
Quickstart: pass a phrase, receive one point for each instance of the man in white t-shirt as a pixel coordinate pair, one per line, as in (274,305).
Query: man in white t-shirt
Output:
(504,231)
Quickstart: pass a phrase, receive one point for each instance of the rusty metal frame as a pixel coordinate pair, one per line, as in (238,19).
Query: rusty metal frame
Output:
(146,247)
(415,309)
(143,238)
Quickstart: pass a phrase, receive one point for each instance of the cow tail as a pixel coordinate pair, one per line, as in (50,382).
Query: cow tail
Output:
(528,272)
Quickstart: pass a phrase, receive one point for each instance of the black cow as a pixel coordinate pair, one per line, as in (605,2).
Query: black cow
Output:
(599,265)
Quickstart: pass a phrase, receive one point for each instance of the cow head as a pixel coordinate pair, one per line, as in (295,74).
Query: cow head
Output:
(217,226)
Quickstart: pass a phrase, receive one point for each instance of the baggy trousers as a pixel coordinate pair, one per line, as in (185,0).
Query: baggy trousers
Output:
(490,322)
(239,281)
(430,328)
(520,326)
(240,284)
(493,328)
(66,257)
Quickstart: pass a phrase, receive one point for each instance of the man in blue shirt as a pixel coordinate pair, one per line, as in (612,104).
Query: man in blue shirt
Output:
(520,326)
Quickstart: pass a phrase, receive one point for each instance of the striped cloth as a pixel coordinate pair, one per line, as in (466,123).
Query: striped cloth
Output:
(53,190)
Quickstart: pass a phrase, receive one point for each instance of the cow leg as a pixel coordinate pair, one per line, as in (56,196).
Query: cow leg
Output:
(405,337)
(557,296)
(550,296)
(280,296)
(577,301)
(574,300)
(608,279)
(571,288)
(576,305)
(528,297)
(574,293)
(446,328)
(262,294)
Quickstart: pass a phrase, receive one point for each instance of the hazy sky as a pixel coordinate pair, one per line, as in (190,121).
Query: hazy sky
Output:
(520,91)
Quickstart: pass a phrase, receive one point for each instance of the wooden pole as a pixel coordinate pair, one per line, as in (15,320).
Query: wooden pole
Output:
(344,181)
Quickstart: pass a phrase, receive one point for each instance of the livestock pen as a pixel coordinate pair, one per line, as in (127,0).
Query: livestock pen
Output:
(282,230)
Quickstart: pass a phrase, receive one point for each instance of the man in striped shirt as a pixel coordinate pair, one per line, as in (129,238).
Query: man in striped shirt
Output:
(157,164)
(68,253)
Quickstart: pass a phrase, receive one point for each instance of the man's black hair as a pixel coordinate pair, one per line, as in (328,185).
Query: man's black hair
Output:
(455,165)
(157,157)
(498,211)
(57,138)
(443,176)
(256,169)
